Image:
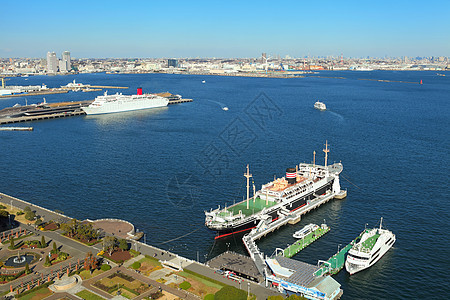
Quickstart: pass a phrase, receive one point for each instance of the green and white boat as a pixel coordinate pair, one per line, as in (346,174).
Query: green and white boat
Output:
(374,243)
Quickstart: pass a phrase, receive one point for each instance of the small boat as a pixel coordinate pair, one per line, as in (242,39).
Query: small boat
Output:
(305,231)
(203,81)
(320,105)
(372,245)
(225,108)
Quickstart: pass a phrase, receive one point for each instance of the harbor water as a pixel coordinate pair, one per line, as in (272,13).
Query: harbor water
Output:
(162,168)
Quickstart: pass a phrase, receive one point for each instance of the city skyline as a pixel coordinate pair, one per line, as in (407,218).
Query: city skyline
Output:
(204,29)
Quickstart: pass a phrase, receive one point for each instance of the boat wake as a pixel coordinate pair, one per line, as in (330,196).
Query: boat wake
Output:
(341,118)
(222,106)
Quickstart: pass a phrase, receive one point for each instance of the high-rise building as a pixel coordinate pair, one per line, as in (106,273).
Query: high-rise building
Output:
(172,63)
(52,62)
(62,66)
(66,60)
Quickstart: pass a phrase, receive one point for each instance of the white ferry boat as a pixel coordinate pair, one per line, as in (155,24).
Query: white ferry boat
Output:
(305,231)
(320,105)
(284,195)
(107,104)
(374,243)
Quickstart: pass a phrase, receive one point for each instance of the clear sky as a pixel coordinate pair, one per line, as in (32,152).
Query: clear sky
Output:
(133,28)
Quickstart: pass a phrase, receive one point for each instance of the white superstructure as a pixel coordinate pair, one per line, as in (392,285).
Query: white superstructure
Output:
(320,105)
(107,104)
(305,231)
(374,243)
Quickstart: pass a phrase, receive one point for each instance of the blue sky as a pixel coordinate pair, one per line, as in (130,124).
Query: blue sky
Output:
(133,28)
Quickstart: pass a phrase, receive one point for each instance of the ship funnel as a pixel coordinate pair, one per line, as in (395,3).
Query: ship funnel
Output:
(139,91)
(291,175)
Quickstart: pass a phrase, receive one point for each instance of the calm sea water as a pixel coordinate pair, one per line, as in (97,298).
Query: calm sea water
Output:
(160,169)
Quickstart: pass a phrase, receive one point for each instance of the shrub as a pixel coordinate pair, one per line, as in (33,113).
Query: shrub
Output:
(209,297)
(185,285)
(105,267)
(20,213)
(2,206)
(136,265)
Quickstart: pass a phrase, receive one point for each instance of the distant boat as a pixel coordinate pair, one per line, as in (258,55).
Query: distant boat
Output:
(439,74)
(203,81)
(320,106)
(225,108)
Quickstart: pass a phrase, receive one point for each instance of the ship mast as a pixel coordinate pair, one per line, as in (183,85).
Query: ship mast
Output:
(326,153)
(248,175)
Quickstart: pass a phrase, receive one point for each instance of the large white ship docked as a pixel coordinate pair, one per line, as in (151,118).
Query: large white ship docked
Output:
(282,196)
(107,104)
(374,243)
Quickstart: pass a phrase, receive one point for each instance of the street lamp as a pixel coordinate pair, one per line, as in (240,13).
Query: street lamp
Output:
(248,293)
(339,247)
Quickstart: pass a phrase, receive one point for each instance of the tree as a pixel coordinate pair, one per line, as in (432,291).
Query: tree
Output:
(43,243)
(11,246)
(30,215)
(55,249)
(109,243)
(27,209)
(47,261)
(27,269)
(4,214)
(123,244)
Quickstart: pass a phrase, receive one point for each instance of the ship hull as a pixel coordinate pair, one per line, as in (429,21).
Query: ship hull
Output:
(123,106)
(251,221)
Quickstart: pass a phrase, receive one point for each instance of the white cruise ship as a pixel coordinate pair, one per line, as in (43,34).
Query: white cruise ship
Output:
(373,244)
(107,104)
(320,105)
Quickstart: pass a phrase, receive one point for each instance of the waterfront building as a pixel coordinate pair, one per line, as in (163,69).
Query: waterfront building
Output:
(66,60)
(172,63)
(52,62)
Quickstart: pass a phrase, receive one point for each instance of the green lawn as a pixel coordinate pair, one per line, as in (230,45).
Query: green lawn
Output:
(85,294)
(202,280)
(85,274)
(38,294)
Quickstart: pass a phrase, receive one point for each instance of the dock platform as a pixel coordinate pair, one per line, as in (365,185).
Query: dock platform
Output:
(301,244)
(40,117)
(16,128)
(335,263)
(180,101)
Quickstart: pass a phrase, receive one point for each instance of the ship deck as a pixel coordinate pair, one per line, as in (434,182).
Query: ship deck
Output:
(255,205)
(370,242)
